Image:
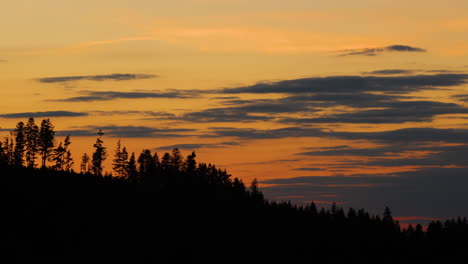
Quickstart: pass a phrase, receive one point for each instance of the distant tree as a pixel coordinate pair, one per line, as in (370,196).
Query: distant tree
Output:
(146,165)
(119,163)
(57,156)
(3,156)
(190,164)
(32,139)
(20,144)
(99,155)
(46,141)
(131,168)
(9,148)
(68,159)
(85,163)
(255,193)
(176,159)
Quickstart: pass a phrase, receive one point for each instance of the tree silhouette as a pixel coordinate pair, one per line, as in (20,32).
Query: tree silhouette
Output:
(85,164)
(46,141)
(131,169)
(119,163)
(20,144)
(99,155)
(32,139)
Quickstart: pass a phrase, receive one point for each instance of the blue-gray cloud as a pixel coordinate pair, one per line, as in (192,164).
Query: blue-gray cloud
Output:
(390,72)
(377,51)
(353,84)
(113,77)
(200,145)
(436,192)
(44,114)
(90,96)
(392,112)
(129,132)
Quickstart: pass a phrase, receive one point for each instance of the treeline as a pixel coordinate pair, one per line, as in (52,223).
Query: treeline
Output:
(174,209)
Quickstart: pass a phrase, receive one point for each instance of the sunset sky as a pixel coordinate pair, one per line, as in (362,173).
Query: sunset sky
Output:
(357,102)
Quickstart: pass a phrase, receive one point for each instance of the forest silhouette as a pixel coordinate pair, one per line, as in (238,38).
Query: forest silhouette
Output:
(174,209)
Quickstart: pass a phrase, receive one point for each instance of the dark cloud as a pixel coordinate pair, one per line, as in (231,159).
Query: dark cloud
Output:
(130,131)
(160,114)
(114,77)
(90,96)
(354,84)
(308,169)
(393,112)
(377,51)
(44,114)
(248,111)
(406,135)
(461,97)
(200,145)
(250,133)
(435,192)
(390,72)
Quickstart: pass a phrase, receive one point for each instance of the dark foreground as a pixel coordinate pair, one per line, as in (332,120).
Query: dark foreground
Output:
(196,216)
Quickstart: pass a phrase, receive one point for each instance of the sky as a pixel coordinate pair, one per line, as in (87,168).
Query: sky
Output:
(362,103)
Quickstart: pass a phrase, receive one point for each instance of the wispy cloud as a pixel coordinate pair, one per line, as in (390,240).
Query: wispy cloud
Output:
(44,114)
(129,131)
(351,84)
(191,146)
(90,96)
(377,51)
(107,77)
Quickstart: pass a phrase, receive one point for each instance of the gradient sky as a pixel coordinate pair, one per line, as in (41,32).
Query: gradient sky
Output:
(356,102)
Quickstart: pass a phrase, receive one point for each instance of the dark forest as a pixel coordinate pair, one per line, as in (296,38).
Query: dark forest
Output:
(173,209)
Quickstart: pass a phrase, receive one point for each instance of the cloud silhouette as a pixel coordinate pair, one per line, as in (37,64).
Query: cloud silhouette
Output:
(90,96)
(114,77)
(129,131)
(377,51)
(390,72)
(44,114)
(199,145)
(352,84)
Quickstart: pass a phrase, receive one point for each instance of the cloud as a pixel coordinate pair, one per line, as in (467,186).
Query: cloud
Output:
(422,192)
(250,133)
(392,112)
(3,61)
(198,146)
(44,114)
(389,72)
(129,132)
(247,111)
(353,84)
(377,51)
(114,77)
(90,96)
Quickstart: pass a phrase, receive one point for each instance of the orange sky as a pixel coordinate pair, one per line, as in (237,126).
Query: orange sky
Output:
(257,88)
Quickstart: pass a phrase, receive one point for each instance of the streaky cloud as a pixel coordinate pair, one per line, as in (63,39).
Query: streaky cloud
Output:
(91,96)
(130,131)
(380,50)
(113,77)
(44,114)
(200,145)
(351,84)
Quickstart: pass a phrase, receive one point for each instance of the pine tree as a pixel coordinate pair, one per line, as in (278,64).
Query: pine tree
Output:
(32,139)
(120,160)
(99,155)
(46,140)
(67,158)
(20,144)
(132,172)
(85,165)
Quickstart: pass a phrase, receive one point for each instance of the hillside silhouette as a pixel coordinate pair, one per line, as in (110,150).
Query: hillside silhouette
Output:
(174,209)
